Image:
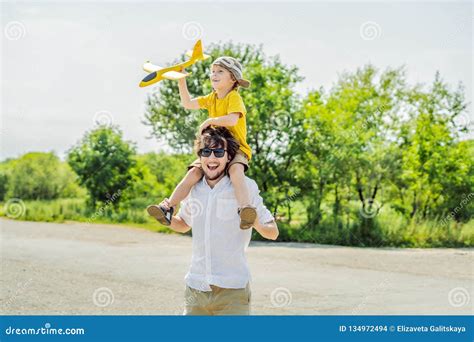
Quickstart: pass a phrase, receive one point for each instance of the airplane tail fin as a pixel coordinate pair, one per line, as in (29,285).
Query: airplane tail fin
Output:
(197,53)
(197,50)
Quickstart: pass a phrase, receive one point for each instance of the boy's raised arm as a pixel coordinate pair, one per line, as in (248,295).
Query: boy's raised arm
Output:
(224,121)
(186,100)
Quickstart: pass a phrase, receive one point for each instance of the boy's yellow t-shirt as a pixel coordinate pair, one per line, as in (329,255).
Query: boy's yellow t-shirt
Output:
(231,103)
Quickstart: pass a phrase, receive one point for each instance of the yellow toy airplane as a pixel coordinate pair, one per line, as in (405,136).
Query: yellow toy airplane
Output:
(173,72)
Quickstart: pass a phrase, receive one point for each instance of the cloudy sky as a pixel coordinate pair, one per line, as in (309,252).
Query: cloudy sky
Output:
(64,64)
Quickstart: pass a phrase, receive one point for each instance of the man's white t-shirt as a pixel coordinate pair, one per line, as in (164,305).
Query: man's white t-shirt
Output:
(219,244)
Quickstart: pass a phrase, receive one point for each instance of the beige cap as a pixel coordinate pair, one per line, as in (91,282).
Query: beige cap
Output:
(233,65)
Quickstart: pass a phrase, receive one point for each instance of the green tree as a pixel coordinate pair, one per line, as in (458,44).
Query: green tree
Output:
(102,161)
(374,139)
(348,134)
(436,170)
(39,175)
(3,185)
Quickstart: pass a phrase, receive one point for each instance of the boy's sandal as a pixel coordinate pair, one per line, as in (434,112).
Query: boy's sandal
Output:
(247,214)
(161,214)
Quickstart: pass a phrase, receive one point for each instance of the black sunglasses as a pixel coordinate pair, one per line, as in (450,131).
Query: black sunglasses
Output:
(206,152)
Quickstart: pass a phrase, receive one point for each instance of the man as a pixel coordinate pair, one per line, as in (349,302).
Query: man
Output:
(217,282)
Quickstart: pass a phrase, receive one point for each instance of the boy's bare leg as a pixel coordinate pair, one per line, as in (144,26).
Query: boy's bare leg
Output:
(164,214)
(184,187)
(247,213)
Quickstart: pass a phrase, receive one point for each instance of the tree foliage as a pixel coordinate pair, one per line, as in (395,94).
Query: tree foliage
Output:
(37,176)
(103,161)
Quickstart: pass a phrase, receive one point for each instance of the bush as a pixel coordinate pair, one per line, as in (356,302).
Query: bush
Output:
(38,176)
(102,161)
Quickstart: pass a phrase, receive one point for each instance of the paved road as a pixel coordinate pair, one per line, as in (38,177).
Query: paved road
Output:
(77,268)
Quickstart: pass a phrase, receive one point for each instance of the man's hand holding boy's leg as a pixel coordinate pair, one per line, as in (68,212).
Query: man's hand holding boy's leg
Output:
(162,212)
(247,213)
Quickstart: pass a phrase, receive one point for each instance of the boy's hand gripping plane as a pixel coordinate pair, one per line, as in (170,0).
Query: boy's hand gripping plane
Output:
(172,72)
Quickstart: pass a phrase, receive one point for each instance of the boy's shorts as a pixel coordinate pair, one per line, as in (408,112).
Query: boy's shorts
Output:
(240,157)
(219,301)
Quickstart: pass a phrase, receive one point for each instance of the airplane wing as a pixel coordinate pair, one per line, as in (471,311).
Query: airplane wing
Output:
(174,75)
(149,67)
(170,75)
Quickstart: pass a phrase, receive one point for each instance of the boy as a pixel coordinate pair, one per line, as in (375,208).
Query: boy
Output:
(226,108)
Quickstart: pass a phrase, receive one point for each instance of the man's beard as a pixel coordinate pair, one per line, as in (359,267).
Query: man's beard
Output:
(216,177)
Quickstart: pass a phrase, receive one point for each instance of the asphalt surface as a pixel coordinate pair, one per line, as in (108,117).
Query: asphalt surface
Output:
(84,269)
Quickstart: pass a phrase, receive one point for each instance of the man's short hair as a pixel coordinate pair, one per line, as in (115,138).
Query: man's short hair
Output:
(217,137)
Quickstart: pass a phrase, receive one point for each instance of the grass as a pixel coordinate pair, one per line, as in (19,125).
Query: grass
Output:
(388,228)
(74,209)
